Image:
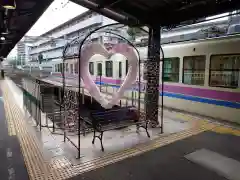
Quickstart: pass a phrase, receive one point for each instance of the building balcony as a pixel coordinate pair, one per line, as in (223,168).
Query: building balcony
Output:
(82,24)
(59,43)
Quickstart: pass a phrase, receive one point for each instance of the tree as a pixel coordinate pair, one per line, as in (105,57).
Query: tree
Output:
(133,32)
(40,58)
(12,62)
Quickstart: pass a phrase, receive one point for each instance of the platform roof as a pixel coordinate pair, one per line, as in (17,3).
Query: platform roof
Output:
(19,21)
(131,12)
(159,12)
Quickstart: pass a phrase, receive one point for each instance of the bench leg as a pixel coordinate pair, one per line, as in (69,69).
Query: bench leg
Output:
(94,136)
(147,133)
(101,139)
(146,128)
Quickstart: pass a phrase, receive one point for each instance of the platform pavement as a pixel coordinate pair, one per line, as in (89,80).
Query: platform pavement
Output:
(172,162)
(12,166)
(163,158)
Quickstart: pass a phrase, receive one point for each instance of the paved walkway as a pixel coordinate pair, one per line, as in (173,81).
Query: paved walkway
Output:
(12,164)
(185,155)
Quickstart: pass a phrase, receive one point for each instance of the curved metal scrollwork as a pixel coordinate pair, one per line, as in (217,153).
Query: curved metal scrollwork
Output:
(72,87)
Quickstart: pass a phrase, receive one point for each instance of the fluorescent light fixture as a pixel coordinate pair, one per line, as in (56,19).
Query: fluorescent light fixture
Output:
(9,4)
(2,38)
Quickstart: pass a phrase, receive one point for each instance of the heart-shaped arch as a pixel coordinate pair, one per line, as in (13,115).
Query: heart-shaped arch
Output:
(95,48)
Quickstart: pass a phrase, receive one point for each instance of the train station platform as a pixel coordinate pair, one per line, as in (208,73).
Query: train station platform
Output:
(197,148)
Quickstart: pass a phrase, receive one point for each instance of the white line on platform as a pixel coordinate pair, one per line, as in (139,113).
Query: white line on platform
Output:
(222,165)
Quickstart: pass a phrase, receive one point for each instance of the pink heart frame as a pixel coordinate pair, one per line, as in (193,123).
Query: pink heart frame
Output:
(95,48)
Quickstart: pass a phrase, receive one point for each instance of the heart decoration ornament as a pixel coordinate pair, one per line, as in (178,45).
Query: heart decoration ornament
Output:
(89,51)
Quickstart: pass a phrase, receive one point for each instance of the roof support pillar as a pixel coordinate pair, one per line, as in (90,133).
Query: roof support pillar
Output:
(152,67)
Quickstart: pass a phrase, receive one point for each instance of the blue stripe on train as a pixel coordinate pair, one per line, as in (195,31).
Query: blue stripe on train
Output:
(192,98)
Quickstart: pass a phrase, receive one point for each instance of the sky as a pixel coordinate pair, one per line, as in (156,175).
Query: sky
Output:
(57,13)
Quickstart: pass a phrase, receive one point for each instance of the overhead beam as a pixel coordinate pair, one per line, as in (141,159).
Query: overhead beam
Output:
(188,14)
(107,3)
(106,12)
(128,12)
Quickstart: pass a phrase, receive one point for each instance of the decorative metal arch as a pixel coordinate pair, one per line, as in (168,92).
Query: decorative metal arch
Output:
(79,43)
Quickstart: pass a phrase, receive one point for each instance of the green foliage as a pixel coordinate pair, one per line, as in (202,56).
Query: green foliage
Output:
(12,62)
(40,58)
(16,61)
(133,32)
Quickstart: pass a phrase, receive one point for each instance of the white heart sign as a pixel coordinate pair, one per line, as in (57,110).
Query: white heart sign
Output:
(92,49)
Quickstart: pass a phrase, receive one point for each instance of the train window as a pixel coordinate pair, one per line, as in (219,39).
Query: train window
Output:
(171,69)
(120,69)
(126,66)
(109,68)
(71,68)
(224,71)
(61,67)
(99,69)
(56,67)
(91,68)
(194,70)
(76,68)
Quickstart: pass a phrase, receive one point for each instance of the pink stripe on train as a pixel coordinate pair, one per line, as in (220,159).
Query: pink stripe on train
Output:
(192,91)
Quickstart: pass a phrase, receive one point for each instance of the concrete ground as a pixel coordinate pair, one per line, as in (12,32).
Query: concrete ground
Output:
(127,155)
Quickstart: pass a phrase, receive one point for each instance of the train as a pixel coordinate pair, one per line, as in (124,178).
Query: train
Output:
(200,76)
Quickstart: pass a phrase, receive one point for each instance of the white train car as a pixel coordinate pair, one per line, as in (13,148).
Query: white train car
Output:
(201,76)
(204,77)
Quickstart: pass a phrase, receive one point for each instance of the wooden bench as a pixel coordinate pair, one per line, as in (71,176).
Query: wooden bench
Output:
(115,118)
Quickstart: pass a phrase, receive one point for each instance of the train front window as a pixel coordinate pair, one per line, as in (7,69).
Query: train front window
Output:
(120,69)
(225,71)
(194,70)
(171,69)
(99,69)
(91,68)
(109,69)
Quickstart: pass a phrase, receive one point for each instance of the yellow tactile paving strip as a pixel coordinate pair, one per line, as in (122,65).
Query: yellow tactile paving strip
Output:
(60,167)
(227,130)
(10,124)
(30,149)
